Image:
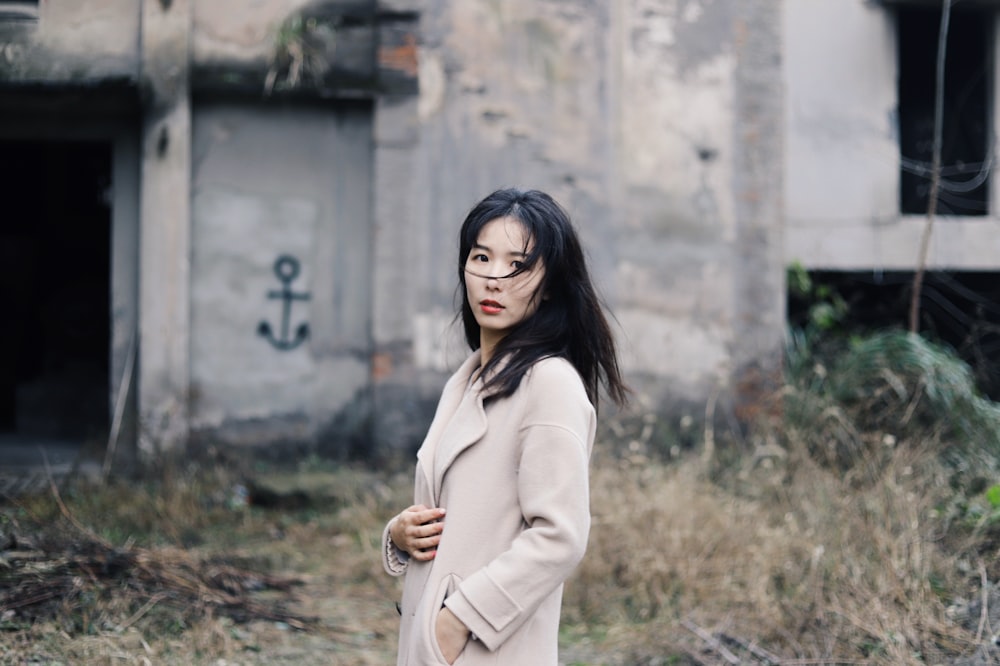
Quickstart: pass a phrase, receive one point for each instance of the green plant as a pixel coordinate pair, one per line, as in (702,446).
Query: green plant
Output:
(302,49)
(825,308)
(855,401)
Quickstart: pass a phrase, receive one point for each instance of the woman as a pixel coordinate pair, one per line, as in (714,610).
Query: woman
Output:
(501,509)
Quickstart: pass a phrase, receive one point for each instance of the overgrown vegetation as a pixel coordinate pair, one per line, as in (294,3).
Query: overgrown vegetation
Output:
(859,523)
(859,526)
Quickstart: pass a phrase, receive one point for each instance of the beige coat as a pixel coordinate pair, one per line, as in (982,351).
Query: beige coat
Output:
(513,477)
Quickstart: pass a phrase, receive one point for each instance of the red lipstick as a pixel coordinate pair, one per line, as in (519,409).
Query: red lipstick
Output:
(490,307)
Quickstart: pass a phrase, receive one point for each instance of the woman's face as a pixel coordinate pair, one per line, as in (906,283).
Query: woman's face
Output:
(499,302)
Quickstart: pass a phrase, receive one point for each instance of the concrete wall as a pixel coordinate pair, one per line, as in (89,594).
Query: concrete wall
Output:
(281,197)
(657,123)
(842,149)
(626,113)
(49,50)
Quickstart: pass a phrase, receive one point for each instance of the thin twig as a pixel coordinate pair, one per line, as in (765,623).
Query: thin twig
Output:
(711,641)
(155,599)
(31,601)
(709,452)
(984,613)
(824,662)
(754,649)
(925,239)
(120,400)
(65,510)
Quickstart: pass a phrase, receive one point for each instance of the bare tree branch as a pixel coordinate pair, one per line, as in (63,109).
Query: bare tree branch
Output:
(925,239)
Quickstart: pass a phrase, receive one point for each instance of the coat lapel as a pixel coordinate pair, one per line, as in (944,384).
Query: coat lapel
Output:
(466,427)
(459,422)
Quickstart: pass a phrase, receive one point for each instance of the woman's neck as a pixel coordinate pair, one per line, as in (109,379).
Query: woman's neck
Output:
(487,347)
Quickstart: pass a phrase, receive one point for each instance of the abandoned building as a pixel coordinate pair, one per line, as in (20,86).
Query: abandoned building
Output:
(240,227)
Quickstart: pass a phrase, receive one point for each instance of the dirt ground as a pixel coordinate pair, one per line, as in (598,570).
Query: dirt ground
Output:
(318,528)
(786,563)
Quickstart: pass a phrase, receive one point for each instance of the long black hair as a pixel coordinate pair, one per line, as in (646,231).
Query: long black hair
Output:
(569,321)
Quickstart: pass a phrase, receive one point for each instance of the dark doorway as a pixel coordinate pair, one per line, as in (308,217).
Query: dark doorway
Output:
(958,308)
(55,226)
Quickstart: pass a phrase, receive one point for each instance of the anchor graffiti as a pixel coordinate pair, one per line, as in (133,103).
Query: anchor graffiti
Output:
(286,268)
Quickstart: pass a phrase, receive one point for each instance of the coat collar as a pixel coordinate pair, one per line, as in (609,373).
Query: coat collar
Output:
(459,423)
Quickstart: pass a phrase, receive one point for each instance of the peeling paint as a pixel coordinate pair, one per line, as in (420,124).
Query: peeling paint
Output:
(705,32)
(402,57)
(381,366)
(433,85)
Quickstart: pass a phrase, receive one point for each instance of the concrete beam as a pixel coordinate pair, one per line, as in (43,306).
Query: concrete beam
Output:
(165,234)
(325,51)
(759,288)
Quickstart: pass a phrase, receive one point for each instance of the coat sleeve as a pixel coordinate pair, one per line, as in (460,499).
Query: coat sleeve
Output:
(394,560)
(553,491)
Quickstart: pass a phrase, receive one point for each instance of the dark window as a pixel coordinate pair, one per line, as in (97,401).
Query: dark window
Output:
(964,188)
(17,10)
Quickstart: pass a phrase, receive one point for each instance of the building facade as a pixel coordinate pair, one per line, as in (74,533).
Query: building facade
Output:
(236,223)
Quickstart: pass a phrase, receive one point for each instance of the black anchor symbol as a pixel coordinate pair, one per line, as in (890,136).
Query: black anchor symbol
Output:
(286,268)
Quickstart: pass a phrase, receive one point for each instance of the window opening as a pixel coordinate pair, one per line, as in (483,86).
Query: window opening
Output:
(55,285)
(966,141)
(18,11)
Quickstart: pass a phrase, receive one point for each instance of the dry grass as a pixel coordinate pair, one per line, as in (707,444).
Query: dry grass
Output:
(776,556)
(780,553)
(190,532)
(822,539)
(815,541)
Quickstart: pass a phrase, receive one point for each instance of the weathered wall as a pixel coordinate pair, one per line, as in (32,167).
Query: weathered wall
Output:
(281,198)
(625,112)
(675,264)
(49,51)
(655,122)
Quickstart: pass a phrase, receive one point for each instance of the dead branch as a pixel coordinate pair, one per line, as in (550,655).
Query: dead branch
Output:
(984,615)
(754,649)
(120,400)
(64,510)
(55,573)
(918,277)
(711,641)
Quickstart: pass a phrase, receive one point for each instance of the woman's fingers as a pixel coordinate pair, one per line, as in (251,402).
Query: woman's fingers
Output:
(423,555)
(425,515)
(418,531)
(425,530)
(425,548)
(423,536)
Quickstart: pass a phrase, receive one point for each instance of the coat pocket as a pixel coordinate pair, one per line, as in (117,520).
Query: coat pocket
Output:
(447,585)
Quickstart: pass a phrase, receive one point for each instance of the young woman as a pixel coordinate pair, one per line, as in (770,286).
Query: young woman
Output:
(501,510)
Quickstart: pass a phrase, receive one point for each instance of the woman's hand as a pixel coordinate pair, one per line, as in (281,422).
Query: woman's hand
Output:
(417,530)
(451,634)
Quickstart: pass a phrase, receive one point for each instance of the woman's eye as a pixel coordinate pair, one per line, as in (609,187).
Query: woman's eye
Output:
(479,257)
(517,265)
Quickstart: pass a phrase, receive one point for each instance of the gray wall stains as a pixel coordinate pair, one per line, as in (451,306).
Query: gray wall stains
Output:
(704,29)
(759,270)
(271,182)
(668,128)
(164,228)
